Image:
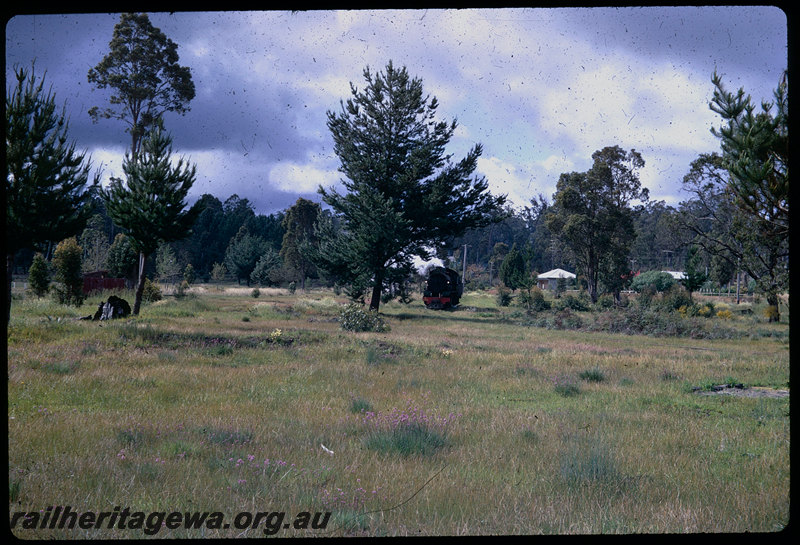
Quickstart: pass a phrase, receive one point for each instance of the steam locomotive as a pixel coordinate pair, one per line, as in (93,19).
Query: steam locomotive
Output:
(443,288)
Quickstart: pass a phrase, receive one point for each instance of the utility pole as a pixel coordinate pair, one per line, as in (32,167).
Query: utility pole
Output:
(464,265)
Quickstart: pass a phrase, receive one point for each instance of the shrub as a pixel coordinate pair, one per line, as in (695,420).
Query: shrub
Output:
(67,265)
(354,318)
(503,296)
(255,293)
(360,405)
(605,302)
(658,280)
(292,287)
(218,272)
(152,292)
(724,314)
(580,302)
(675,297)
(406,432)
(189,274)
(180,291)
(533,300)
(592,375)
(39,276)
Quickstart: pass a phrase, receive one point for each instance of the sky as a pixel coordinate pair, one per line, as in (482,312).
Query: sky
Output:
(541,89)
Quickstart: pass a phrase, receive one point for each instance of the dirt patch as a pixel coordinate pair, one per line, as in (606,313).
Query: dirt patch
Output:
(745,392)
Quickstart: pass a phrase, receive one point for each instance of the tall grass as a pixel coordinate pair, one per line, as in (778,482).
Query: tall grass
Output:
(446,423)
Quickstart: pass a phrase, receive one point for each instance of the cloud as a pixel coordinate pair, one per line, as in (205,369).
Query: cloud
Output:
(304,177)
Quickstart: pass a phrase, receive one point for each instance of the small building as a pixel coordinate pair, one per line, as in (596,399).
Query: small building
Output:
(549,280)
(100,281)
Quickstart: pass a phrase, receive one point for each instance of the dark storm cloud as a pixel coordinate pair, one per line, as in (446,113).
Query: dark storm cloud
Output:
(541,89)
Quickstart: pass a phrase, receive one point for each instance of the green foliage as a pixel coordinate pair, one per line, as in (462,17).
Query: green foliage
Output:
(674,298)
(122,258)
(694,275)
(403,193)
(39,276)
(94,242)
(533,300)
(143,73)
(150,206)
(264,272)
(189,274)
(658,280)
(580,302)
(256,293)
(406,440)
(755,151)
(46,179)
(152,292)
(218,272)
(503,296)
(591,215)
(180,291)
(360,405)
(67,267)
(300,240)
(244,253)
(566,387)
(167,267)
(594,374)
(513,269)
(354,318)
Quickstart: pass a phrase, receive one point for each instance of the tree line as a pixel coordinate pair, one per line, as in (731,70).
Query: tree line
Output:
(404,195)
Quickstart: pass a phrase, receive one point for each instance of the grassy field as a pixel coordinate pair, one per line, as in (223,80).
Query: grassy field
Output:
(450,423)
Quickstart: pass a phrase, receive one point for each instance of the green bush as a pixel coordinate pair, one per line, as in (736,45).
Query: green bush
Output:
(152,292)
(503,296)
(39,276)
(675,297)
(189,274)
(67,265)
(256,293)
(533,300)
(581,302)
(605,302)
(592,375)
(354,318)
(658,280)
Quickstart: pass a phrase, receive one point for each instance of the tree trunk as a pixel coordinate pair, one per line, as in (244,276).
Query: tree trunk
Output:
(137,302)
(375,302)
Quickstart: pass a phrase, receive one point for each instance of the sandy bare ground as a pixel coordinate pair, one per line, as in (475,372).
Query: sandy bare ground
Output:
(754,391)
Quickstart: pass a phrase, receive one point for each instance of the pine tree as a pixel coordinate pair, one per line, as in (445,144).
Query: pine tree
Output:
(299,236)
(67,265)
(46,191)
(404,196)
(39,276)
(150,207)
(243,254)
(513,270)
(694,276)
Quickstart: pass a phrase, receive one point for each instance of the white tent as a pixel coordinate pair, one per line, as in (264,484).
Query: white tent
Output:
(550,278)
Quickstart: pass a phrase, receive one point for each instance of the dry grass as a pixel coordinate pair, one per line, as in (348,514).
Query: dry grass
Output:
(190,408)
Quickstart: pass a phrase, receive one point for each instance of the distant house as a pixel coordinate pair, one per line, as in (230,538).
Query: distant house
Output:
(549,280)
(100,281)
